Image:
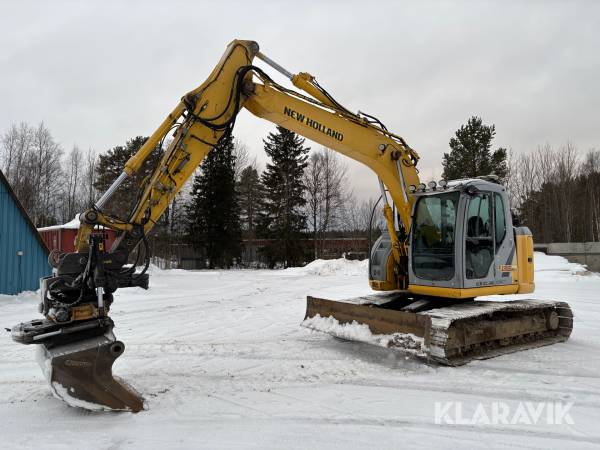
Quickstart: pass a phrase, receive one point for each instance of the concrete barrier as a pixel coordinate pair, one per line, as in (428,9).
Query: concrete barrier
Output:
(587,253)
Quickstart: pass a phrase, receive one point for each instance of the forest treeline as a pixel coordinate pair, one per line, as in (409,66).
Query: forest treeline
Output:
(556,192)
(300,194)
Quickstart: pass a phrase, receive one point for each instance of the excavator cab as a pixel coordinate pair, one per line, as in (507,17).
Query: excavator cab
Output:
(462,240)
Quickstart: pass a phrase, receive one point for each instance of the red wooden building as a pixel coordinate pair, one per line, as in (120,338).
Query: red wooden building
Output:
(62,237)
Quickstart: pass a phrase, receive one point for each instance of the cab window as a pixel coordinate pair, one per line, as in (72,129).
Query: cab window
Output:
(433,236)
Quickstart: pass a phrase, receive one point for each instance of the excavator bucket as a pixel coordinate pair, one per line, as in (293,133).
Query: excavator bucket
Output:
(78,364)
(453,334)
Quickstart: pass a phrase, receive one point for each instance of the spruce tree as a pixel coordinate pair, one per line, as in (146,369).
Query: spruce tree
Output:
(471,152)
(212,214)
(282,217)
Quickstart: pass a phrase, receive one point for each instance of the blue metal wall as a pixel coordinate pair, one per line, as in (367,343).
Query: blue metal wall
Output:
(23,258)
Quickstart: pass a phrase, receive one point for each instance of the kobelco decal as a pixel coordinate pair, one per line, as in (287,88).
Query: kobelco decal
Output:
(313,124)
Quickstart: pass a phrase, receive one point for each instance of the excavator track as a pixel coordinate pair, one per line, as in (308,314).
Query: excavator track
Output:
(452,335)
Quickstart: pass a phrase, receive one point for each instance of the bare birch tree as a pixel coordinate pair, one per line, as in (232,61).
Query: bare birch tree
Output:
(31,160)
(242,157)
(73,184)
(89,171)
(313,180)
(325,181)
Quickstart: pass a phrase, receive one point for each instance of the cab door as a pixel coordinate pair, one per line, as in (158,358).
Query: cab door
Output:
(479,239)
(486,243)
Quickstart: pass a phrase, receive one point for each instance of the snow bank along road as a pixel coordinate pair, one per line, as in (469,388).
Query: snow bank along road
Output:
(223,363)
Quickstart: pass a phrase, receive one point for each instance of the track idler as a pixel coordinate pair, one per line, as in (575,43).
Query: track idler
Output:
(77,361)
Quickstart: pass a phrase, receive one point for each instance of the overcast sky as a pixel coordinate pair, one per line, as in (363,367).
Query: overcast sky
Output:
(98,73)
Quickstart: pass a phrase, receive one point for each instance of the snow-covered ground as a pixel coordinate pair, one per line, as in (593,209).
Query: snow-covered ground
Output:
(223,363)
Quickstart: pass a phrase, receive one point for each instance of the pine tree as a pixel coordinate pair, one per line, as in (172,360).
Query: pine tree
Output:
(212,214)
(282,217)
(471,154)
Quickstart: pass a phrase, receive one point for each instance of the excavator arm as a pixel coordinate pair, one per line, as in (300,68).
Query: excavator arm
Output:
(77,332)
(205,114)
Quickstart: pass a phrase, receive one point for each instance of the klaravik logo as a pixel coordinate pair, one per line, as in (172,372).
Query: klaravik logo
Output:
(501,413)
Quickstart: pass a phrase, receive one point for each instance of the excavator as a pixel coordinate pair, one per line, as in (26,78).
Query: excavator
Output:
(443,244)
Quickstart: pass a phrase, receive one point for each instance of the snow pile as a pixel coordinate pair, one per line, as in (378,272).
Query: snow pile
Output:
(360,332)
(544,265)
(549,263)
(25,296)
(339,266)
(154,271)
